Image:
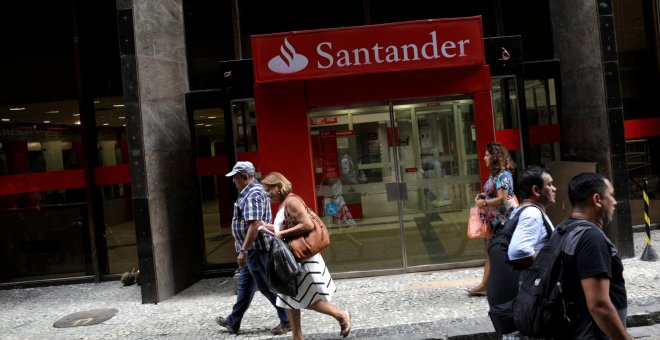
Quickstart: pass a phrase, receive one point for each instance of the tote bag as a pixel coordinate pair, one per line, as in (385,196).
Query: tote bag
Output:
(479,224)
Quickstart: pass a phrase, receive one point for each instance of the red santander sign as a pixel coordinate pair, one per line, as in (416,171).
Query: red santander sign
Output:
(414,45)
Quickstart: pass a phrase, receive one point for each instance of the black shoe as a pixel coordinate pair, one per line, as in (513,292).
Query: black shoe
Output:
(280,329)
(223,322)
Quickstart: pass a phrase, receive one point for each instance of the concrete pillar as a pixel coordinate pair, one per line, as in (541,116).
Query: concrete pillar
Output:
(592,112)
(166,200)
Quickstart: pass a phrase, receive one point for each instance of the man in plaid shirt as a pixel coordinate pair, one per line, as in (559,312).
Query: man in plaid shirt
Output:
(251,209)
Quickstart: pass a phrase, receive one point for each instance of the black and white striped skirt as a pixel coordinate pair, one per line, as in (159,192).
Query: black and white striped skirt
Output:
(314,283)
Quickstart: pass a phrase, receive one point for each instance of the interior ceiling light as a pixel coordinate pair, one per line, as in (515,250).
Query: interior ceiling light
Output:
(211,117)
(117,105)
(53,111)
(77,122)
(106,124)
(76,114)
(16,108)
(97,101)
(121,117)
(46,121)
(5,119)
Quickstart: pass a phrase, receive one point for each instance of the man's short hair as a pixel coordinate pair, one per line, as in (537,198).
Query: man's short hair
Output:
(583,186)
(528,178)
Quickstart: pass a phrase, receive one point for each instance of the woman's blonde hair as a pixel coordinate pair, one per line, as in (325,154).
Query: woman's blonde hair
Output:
(277,179)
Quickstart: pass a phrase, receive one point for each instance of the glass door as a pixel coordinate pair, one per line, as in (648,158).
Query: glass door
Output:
(438,162)
(353,162)
(395,182)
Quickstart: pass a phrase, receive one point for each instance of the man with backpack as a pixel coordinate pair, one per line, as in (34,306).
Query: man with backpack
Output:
(515,246)
(592,269)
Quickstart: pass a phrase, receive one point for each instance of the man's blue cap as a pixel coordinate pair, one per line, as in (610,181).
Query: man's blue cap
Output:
(243,167)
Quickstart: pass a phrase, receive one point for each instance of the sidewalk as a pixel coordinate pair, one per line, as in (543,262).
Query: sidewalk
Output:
(430,305)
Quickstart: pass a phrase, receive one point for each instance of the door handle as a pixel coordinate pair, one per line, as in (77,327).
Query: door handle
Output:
(396,191)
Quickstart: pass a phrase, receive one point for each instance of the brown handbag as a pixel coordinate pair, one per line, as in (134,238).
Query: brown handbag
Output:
(311,243)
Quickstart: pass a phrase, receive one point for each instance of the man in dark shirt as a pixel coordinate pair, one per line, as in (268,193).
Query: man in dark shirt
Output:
(593,271)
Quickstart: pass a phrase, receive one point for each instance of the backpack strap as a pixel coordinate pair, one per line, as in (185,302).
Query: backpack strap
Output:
(504,235)
(548,228)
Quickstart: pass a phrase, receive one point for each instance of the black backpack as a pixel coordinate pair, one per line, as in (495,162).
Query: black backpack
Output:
(504,274)
(540,309)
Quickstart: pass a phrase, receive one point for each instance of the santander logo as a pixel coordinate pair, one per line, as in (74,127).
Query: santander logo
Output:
(421,49)
(288,61)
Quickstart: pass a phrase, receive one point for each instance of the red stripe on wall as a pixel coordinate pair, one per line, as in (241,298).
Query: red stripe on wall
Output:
(510,138)
(114,174)
(43,181)
(544,134)
(638,128)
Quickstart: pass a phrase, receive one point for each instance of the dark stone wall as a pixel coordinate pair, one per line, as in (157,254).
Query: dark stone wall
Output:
(592,112)
(162,159)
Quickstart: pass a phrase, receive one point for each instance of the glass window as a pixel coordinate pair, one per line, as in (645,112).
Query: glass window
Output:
(44,232)
(505,111)
(430,146)
(214,149)
(112,177)
(542,121)
(209,39)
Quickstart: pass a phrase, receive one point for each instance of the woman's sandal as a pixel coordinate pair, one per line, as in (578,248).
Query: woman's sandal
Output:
(475,293)
(346,327)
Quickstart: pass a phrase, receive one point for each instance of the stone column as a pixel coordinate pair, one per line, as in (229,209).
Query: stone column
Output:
(592,110)
(166,198)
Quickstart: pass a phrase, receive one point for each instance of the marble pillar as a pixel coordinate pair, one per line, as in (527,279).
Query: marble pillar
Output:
(166,196)
(592,113)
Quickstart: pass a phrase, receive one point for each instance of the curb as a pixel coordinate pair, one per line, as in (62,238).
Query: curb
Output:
(478,328)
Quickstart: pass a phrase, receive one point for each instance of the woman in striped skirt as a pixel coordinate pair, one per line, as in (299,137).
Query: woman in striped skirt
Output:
(315,286)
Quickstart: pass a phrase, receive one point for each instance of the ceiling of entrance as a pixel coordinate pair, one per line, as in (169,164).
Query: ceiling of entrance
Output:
(109,113)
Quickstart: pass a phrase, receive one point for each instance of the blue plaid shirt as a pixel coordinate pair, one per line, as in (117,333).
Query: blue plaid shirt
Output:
(252,204)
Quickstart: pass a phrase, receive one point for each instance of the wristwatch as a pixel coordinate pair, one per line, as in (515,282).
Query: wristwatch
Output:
(243,251)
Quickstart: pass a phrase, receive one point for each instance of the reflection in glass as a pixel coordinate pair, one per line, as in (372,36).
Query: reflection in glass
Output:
(213,150)
(542,110)
(431,147)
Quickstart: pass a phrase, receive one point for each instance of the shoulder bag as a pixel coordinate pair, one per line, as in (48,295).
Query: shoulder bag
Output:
(311,243)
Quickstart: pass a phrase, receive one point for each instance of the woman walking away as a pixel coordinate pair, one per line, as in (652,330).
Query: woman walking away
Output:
(498,197)
(294,218)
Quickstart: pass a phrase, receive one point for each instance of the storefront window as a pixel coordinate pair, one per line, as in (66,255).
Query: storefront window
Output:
(112,178)
(430,147)
(43,224)
(505,111)
(542,121)
(246,125)
(214,149)
(50,78)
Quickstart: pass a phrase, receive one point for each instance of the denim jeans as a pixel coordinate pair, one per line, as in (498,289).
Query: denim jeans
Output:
(250,278)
